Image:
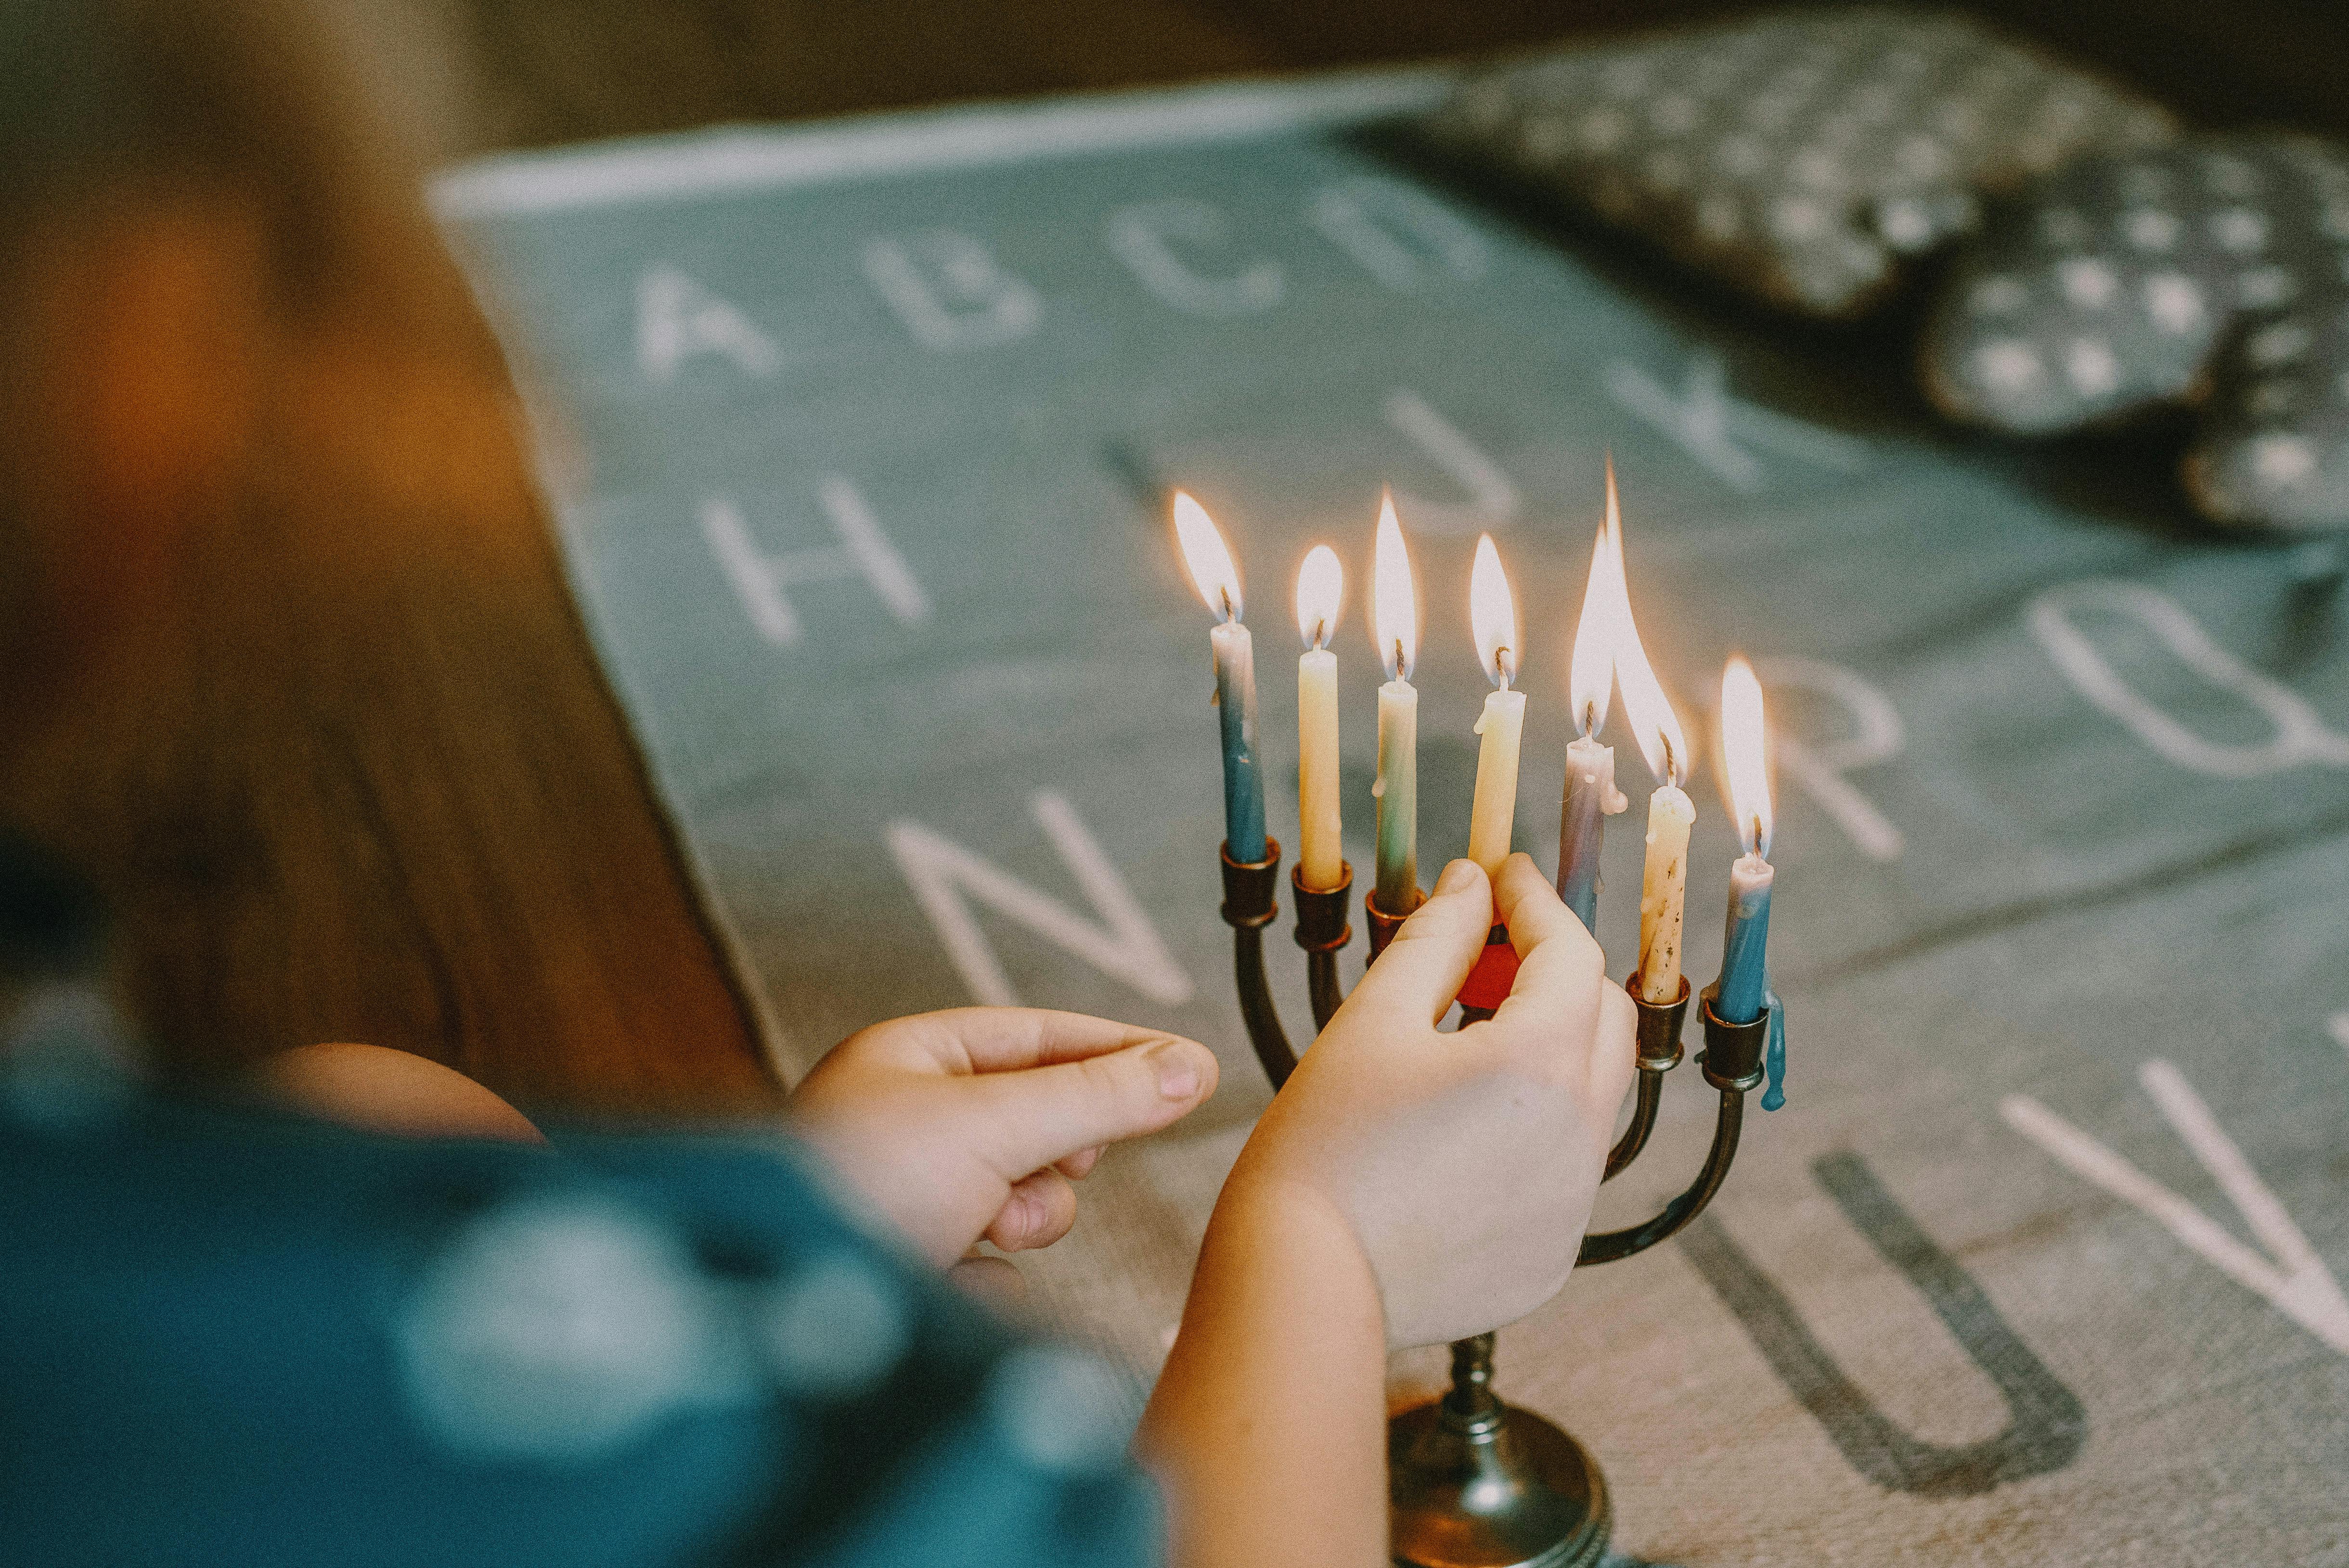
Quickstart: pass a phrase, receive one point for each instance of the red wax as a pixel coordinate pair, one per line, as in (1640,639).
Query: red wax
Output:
(1495,972)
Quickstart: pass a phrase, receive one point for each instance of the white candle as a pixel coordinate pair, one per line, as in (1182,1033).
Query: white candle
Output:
(1321,592)
(1493,616)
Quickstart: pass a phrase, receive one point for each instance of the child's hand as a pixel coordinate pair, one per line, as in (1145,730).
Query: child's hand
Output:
(1465,1163)
(973,1122)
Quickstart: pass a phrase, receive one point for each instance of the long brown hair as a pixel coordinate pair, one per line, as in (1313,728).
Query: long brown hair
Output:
(332,751)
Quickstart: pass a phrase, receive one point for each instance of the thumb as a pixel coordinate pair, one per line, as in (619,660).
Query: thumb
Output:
(1024,1121)
(1423,967)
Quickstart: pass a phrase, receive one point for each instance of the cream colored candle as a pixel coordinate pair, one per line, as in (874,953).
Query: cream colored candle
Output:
(1664,885)
(1494,817)
(1320,593)
(1493,616)
(1663,892)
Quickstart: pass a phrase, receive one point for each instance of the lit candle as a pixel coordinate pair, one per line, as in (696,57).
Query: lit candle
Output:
(1590,794)
(1320,593)
(1663,884)
(1493,617)
(1218,582)
(1744,983)
(1394,622)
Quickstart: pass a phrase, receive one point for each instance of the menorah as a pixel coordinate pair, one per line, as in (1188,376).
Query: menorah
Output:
(1475,1482)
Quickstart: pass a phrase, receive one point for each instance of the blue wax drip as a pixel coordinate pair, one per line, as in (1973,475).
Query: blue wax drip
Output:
(1774,1054)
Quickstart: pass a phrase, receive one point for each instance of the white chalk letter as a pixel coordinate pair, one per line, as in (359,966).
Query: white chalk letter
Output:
(1143,236)
(1404,238)
(2301,735)
(945,876)
(676,318)
(1493,500)
(864,551)
(1708,424)
(1877,736)
(2290,1273)
(950,291)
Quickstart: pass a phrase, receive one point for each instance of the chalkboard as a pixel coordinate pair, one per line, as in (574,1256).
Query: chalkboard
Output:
(860,436)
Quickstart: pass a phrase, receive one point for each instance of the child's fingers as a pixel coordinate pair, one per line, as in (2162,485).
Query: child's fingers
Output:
(1617,1049)
(1023,1121)
(1422,970)
(994,1281)
(1038,1213)
(1079,1165)
(967,1040)
(1560,969)
(1534,912)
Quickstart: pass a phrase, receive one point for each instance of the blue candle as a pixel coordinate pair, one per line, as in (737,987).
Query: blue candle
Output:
(1236,705)
(1744,954)
(1209,561)
(1744,986)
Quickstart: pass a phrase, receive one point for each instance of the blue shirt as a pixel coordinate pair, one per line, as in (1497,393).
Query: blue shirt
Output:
(235,1339)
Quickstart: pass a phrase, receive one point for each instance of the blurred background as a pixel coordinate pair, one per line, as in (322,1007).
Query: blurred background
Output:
(488,74)
(362,778)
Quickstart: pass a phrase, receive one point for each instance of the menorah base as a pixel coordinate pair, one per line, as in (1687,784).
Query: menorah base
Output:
(1507,1490)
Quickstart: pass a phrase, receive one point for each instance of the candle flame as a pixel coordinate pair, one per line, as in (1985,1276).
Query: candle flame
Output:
(1742,756)
(1394,602)
(1590,679)
(1663,745)
(1320,593)
(1493,614)
(1208,559)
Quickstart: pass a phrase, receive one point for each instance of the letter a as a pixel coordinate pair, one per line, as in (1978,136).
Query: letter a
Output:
(2289,1272)
(676,318)
(1126,946)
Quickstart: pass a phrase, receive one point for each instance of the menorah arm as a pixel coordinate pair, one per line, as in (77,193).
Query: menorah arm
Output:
(1657,1042)
(1731,1063)
(1248,907)
(1322,984)
(1644,1122)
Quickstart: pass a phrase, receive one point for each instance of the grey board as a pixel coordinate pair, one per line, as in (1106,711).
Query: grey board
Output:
(2074,798)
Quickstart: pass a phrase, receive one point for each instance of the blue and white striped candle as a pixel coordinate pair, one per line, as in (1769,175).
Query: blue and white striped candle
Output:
(1743,988)
(1209,561)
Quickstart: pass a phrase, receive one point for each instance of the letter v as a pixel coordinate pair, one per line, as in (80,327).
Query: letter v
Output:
(2290,1275)
(1126,946)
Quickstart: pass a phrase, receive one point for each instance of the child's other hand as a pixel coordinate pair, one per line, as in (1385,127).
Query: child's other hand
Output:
(974,1122)
(1466,1163)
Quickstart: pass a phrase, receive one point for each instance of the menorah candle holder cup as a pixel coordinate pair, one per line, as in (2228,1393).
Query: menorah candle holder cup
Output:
(1474,1482)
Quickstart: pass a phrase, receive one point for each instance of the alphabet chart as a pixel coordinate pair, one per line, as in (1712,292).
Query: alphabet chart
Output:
(861,437)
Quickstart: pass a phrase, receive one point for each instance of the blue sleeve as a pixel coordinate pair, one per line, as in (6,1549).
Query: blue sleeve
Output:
(243,1340)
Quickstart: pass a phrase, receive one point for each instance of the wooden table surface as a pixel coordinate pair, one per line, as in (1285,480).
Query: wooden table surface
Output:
(373,785)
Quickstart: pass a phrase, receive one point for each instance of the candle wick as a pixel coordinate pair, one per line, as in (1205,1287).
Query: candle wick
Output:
(1589,718)
(1397,668)
(1671,772)
(1320,634)
(1756,848)
(1229,615)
